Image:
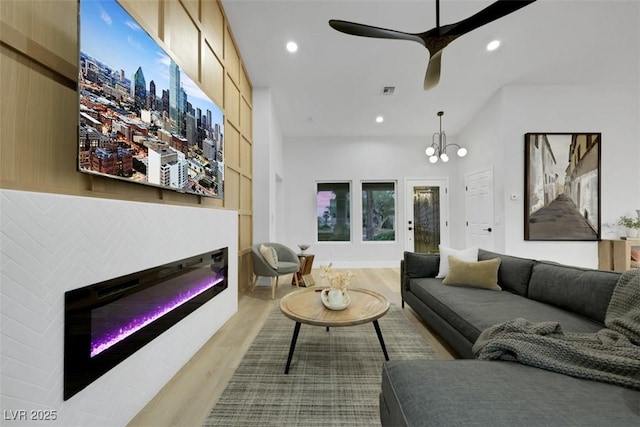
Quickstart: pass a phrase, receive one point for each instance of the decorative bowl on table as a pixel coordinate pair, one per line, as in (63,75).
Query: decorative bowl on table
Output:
(303,247)
(335,299)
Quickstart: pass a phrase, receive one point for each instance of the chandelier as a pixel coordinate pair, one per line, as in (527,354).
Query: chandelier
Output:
(438,148)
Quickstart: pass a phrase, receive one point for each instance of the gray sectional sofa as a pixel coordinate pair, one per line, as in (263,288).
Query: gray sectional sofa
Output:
(475,392)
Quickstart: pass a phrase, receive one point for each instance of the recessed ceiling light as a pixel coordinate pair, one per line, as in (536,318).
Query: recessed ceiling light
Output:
(379,119)
(493,45)
(292,47)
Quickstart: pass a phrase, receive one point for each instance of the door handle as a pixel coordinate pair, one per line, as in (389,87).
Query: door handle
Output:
(487,229)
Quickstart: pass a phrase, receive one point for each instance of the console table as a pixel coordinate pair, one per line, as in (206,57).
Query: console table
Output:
(616,255)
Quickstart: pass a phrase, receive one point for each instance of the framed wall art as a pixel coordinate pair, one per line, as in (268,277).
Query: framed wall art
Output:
(562,186)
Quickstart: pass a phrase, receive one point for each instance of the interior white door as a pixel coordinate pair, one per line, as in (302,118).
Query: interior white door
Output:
(479,209)
(426,214)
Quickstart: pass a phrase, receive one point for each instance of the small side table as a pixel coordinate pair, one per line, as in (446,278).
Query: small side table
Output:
(304,275)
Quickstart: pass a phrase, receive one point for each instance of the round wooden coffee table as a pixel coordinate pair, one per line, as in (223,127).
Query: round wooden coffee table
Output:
(305,306)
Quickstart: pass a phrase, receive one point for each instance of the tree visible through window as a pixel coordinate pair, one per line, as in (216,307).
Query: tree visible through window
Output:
(378,211)
(333,211)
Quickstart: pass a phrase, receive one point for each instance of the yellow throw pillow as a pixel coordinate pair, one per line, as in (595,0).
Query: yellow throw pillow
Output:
(478,274)
(270,255)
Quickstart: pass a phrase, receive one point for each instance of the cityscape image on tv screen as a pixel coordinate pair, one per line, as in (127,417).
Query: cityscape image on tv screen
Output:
(142,118)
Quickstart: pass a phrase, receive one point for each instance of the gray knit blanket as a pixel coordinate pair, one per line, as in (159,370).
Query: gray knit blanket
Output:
(611,355)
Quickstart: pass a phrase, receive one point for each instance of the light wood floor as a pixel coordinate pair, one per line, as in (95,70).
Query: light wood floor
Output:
(187,399)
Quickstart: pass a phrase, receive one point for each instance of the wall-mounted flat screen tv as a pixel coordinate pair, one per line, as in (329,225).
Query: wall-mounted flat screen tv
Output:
(142,119)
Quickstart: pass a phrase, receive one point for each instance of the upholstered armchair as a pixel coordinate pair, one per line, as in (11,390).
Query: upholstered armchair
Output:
(274,260)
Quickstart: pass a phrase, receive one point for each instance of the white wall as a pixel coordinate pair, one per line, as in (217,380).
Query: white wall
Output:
(284,197)
(267,167)
(268,172)
(612,110)
(495,138)
(483,139)
(310,160)
(54,243)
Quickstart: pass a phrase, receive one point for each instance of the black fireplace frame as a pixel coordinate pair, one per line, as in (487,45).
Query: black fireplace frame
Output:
(80,369)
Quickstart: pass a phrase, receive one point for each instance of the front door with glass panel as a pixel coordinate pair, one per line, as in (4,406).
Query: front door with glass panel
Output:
(427,222)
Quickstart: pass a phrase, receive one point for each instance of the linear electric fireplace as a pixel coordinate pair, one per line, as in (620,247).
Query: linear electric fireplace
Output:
(108,321)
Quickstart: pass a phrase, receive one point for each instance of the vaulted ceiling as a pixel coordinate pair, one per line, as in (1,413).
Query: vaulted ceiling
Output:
(332,85)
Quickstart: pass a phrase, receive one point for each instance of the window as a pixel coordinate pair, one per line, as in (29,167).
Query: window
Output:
(333,211)
(378,211)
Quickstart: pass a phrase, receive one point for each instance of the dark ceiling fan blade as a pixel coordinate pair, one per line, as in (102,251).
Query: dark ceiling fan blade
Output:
(432,76)
(363,30)
(437,38)
(489,14)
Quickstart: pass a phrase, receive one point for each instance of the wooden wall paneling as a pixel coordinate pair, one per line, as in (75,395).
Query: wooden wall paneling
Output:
(245,87)
(193,8)
(245,270)
(182,36)
(231,58)
(63,71)
(213,26)
(51,24)
(231,101)
(246,221)
(208,202)
(232,189)
(120,190)
(38,157)
(146,13)
(246,224)
(246,158)
(10,68)
(246,122)
(232,147)
(176,198)
(246,235)
(246,197)
(212,73)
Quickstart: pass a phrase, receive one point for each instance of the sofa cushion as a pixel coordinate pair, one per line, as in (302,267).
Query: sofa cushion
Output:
(514,272)
(477,274)
(472,310)
(580,290)
(490,393)
(421,265)
(469,254)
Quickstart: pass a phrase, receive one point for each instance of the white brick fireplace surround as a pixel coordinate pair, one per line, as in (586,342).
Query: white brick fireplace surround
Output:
(53,243)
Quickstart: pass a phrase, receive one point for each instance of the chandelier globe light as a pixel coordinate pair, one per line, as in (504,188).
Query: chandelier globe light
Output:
(438,148)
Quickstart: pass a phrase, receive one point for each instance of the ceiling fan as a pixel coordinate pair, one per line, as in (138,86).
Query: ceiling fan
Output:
(436,39)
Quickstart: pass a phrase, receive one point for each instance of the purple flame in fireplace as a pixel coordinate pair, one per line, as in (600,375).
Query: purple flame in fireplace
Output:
(108,321)
(116,321)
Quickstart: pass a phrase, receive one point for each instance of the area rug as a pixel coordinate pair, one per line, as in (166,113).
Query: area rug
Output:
(334,379)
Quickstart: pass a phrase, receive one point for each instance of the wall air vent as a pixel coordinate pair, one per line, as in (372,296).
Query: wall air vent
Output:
(387,90)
